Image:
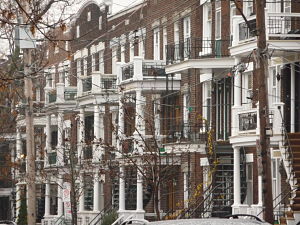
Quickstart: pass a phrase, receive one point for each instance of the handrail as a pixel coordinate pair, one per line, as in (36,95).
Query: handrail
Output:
(291,156)
(202,202)
(101,212)
(58,219)
(118,220)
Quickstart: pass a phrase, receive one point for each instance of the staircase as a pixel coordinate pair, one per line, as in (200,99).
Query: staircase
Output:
(222,199)
(291,157)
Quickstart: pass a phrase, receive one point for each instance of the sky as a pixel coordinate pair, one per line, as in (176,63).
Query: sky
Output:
(117,6)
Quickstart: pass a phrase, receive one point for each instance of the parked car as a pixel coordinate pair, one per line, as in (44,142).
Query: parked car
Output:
(239,219)
(7,222)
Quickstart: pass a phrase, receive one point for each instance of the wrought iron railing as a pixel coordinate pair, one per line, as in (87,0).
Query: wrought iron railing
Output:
(154,70)
(197,48)
(187,132)
(283,24)
(248,121)
(108,83)
(127,72)
(70,94)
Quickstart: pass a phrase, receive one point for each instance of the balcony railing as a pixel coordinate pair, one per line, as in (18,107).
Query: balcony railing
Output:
(87,84)
(197,48)
(127,72)
(284,25)
(52,97)
(184,132)
(70,94)
(154,69)
(52,157)
(248,121)
(108,83)
(278,26)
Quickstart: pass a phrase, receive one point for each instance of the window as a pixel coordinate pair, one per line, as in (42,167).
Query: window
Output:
(89,16)
(206,108)
(165,42)
(273,6)
(247,88)
(186,36)
(232,13)
(248,8)
(100,23)
(77,31)
(287,6)
(88,193)
(156,44)
(249,180)
(218,20)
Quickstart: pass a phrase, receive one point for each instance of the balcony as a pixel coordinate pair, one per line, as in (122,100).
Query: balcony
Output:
(146,75)
(185,132)
(97,83)
(196,48)
(281,29)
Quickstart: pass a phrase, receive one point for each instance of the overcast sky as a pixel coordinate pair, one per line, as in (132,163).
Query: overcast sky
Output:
(117,6)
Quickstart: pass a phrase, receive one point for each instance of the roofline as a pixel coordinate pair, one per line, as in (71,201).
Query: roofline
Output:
(125,11)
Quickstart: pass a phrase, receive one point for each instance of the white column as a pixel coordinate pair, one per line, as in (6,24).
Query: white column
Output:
(120,127)
(293,98)
(18,199)
(101,122)
(236,177)
(47,198)
(96,156)
(139,122)
(81,134)
(81,194)
(237,100)
(114,125)
(48,132)
(18,144)
(157,116)
(185,190)
(139,192)
(60,195)
(122,189)
(60,132)
(260,190)
(96,207)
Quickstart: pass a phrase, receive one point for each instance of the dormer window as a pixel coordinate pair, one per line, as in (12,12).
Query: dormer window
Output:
(89,16)
(77,31)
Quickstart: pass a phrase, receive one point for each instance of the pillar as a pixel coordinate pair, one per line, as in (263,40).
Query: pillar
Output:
(96,155)
(60,206)
(96,207)
(122,189)
(81,134)
(114,125)
(60,132)
(18,199)
(139,122)
(18,144)
(81,193)
(293,106)
(47,198)
(237,100)
(260,190)
(236,177)
(101,126)
(139,191)
(157,116)
(121,128)
(48,132)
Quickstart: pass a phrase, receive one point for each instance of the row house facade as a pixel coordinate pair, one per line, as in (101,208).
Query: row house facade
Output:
(169,87)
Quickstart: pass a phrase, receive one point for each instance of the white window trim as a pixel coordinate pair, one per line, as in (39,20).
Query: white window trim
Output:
(156,43)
